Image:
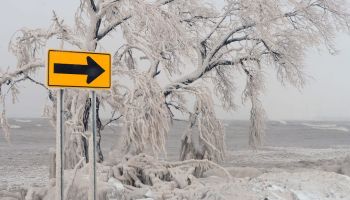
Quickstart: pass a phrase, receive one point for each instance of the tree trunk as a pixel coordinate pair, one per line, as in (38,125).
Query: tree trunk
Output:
(86,127)
(98,135)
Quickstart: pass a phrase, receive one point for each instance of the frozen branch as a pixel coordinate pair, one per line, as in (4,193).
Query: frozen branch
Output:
(164,2)
(6,77)
(70,184)
(65,33)
(111,120)
(93,5)
(111,27)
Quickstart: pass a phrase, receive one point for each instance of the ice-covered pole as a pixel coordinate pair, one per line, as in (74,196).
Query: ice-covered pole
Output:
(59,147)
(92,150)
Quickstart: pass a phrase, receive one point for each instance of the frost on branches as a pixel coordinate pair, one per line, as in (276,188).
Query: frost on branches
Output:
(173,50)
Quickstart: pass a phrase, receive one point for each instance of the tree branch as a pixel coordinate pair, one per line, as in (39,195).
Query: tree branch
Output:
(93,5)
(110,121)
(199,73)
(36,82)
(111,27)
(116,23)
(65,33)
(226,38)
(24,69)
(208,64)
(164,2)
(154,69)
(214,29)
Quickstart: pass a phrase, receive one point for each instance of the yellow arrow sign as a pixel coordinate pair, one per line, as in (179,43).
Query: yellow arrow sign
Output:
(79,69)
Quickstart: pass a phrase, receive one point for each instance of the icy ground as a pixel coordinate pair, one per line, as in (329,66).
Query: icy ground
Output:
(272,173)
(299,162)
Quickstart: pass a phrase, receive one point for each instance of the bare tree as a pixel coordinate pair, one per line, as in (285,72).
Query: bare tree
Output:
(165,39)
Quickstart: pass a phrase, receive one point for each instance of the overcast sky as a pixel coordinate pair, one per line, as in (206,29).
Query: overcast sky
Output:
(326,97)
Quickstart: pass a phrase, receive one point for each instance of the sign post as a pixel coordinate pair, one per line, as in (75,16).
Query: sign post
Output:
(60,147)
(72,69)
(93,147)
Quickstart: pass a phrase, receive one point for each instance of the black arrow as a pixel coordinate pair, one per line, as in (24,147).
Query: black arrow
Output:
(92,69)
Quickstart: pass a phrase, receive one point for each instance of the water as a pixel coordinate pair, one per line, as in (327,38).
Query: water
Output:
(25,160)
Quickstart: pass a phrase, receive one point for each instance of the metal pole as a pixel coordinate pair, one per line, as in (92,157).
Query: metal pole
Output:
(59,147)
(92,159)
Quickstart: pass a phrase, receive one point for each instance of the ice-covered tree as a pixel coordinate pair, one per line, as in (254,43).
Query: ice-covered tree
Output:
(251,36)
(173,50)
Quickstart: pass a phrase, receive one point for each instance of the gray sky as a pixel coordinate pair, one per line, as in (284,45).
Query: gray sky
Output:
(326,96)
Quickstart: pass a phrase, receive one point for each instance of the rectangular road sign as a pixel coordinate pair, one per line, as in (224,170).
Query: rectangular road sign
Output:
(78,69)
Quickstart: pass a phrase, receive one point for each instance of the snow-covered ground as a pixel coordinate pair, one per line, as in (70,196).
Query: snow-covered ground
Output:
(285,174)
(303,185)
(285,169)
